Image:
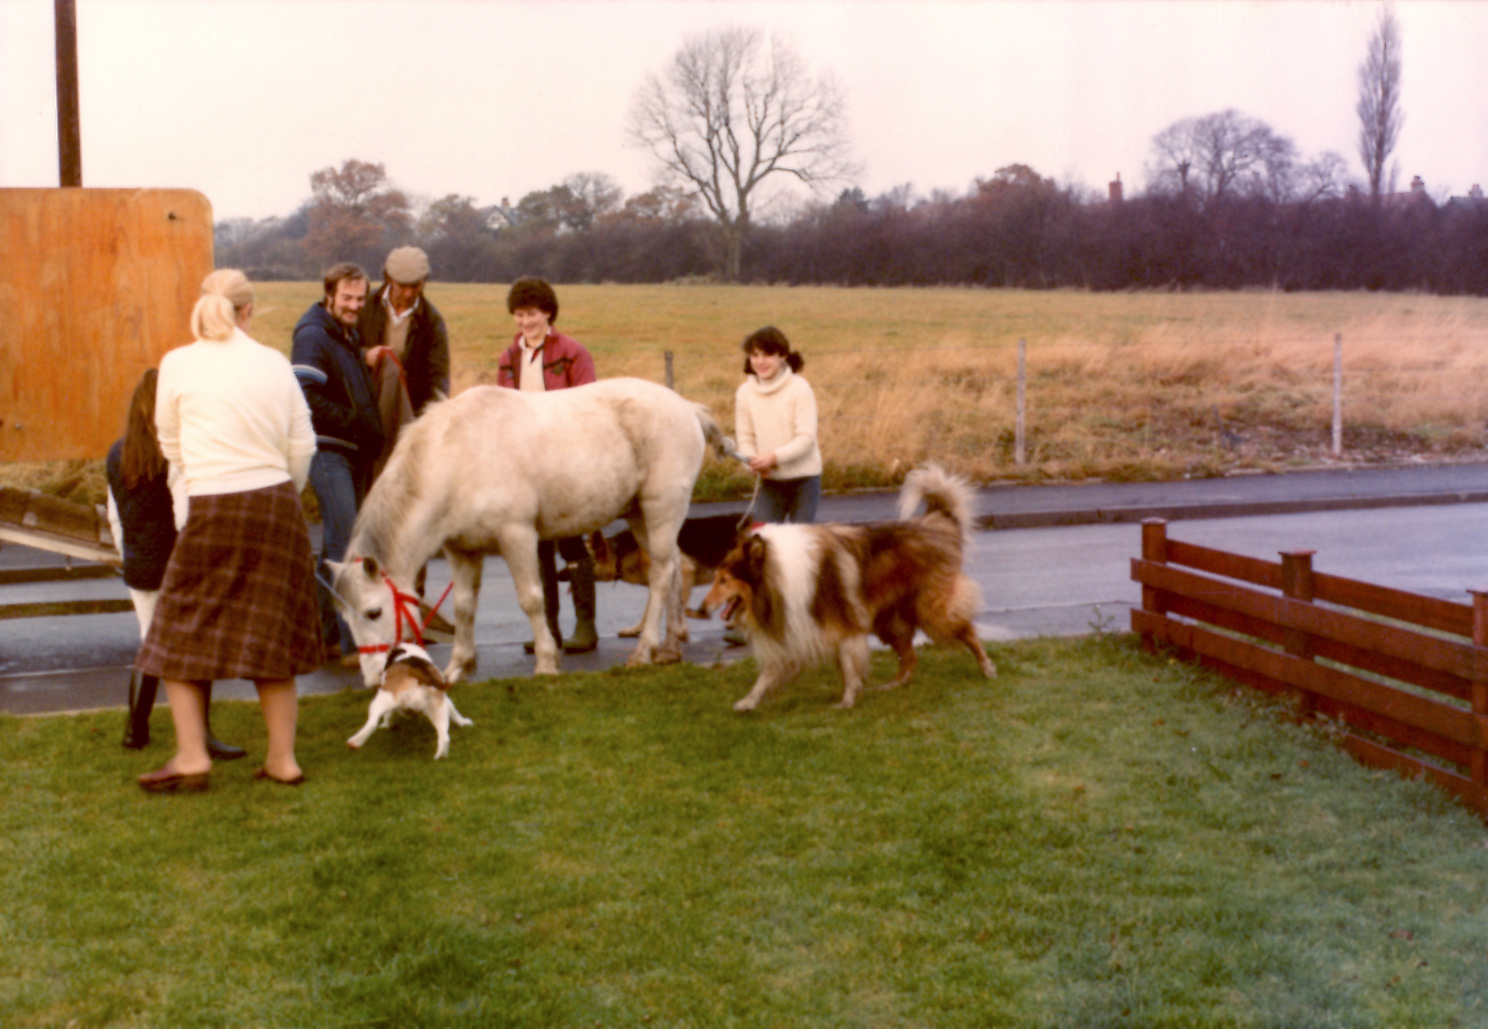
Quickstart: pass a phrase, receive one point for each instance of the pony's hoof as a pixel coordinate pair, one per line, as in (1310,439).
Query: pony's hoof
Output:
(629,634)
(745,705)
(667,656)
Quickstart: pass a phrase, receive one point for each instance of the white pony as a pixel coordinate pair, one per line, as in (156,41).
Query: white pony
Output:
(494,470)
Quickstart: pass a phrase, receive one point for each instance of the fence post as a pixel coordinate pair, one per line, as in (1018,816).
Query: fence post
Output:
(1155,550)
(669,379)
(1020,452)
(1337,394)
(1297,584)
(1479,762)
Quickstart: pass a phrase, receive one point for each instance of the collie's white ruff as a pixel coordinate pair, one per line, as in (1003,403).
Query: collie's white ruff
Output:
(495,470)
(411,682)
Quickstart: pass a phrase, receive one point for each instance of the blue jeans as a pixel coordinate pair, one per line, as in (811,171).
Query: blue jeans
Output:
(339,489)
(788,500)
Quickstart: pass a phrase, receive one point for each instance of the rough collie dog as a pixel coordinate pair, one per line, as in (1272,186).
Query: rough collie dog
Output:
(805,592)
(411,682)
(704,542)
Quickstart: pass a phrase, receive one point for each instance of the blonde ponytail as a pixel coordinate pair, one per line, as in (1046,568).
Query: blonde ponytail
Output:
(224,294)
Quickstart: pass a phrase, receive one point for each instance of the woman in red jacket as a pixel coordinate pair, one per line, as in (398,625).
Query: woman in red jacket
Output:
(540,359)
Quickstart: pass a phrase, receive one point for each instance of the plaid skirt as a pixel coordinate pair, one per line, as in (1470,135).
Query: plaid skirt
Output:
(238,600)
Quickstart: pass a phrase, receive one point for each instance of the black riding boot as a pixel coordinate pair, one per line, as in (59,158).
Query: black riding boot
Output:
(547,566)
(584,638)
(142,690)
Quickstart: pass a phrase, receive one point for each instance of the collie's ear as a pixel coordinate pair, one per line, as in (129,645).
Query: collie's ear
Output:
(755,550)
(369,565)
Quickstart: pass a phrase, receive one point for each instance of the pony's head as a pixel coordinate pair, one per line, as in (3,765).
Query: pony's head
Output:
(380,612)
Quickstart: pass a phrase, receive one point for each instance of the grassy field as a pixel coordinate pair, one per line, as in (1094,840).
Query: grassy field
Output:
(1123,386)
(1096,838)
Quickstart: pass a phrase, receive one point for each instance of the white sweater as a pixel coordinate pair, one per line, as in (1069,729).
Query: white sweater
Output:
(779,416)
(231,418)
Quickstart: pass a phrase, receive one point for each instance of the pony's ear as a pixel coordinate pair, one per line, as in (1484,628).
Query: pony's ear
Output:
(369,564)
(334,567)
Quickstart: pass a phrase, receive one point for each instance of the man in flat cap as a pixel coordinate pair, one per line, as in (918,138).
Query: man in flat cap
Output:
(400,318)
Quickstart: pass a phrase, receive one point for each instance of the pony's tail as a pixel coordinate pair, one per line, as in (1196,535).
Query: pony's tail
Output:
(942,493)
(713,432)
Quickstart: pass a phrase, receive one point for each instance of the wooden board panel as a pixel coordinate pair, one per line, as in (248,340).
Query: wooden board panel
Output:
(96,285)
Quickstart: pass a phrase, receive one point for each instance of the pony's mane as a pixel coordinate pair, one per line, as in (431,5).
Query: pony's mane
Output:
(385,510)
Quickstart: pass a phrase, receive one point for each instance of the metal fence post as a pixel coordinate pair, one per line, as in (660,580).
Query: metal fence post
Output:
(1020,452)
(669,379)
(1338,394)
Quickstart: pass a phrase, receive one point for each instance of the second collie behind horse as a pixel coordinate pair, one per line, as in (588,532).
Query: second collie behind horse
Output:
(495,470)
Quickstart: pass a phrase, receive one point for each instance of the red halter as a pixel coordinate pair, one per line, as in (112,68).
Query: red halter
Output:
(405,612)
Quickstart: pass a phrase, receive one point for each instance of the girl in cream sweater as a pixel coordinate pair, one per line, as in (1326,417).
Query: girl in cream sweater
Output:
(775,424)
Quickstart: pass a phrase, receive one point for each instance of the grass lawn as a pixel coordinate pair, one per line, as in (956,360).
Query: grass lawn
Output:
(1097,838)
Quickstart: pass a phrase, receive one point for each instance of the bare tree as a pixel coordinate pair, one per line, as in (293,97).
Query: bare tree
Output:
(1380,116)
(732,111)
(1222,155)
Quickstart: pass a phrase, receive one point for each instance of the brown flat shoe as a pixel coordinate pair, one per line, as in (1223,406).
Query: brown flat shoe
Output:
(168,780)
(263,773)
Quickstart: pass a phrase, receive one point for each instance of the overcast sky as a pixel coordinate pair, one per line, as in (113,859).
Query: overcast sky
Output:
(243,100)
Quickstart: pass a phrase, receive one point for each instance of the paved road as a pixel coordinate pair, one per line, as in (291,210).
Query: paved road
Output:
(1058,564)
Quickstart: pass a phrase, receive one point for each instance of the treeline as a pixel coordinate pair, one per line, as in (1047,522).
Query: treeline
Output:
(1015,229)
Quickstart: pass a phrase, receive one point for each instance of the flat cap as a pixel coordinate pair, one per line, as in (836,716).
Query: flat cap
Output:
(407,265)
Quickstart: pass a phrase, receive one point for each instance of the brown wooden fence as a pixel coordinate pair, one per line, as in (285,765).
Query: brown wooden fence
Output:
(1406,675)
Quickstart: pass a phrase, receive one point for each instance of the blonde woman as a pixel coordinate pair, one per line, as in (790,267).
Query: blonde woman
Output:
(238,598)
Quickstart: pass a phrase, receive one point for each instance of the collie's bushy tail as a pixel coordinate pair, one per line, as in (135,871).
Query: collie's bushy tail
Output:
(941,493)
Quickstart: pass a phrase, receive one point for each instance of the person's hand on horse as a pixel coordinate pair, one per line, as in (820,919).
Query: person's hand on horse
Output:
(374,354)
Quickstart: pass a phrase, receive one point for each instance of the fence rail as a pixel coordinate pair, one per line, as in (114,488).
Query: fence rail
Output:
(1411,690)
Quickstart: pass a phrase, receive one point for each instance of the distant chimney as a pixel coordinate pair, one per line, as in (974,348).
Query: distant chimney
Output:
(1476,193)
(1114,189)
(1418,185)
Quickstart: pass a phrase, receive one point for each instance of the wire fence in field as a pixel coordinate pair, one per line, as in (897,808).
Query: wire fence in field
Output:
(1138,391)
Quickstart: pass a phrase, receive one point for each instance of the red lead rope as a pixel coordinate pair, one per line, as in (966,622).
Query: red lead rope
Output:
(403,615)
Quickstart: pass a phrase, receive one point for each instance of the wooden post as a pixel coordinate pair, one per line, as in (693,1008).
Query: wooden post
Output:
(1155,550)
(1020,451)
(1338,394)
(69,132)
(1297,584)
(669,378)
(1479,757)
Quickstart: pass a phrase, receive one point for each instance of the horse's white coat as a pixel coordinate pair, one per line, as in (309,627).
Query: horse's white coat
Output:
(494,470)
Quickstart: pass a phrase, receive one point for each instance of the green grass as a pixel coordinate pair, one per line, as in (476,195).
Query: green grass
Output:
(1097,838)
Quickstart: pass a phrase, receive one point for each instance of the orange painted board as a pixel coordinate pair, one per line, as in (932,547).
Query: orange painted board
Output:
(95,285)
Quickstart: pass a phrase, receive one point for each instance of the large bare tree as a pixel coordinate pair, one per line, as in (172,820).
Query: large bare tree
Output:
(734,110)
(1380,116)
